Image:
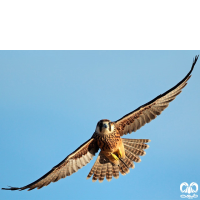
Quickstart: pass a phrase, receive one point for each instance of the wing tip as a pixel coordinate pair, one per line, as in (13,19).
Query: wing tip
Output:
(194,61)
(12,188)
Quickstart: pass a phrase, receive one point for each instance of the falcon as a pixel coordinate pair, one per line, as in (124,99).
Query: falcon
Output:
(117,154)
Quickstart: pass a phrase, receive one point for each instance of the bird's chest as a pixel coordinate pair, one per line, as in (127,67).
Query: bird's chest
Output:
(109,142)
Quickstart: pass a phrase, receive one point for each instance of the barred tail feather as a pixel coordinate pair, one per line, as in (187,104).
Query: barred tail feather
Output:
(116,171)
(136,140)
(109,172)
(103,172)
(135,148)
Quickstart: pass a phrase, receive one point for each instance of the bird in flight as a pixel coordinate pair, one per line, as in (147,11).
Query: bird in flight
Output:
(117,154)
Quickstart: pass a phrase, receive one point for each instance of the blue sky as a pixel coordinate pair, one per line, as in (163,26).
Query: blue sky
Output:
(50,102)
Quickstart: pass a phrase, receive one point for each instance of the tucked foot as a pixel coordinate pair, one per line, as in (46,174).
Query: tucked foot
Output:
(119,153)
(114,156)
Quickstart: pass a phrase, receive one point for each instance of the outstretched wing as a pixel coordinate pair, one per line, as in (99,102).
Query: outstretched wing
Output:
(71,164)
(145,113)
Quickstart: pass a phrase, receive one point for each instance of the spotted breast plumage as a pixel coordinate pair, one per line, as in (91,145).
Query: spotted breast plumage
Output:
(117,154)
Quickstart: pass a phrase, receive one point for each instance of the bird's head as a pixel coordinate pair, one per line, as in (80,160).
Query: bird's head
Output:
(104,127)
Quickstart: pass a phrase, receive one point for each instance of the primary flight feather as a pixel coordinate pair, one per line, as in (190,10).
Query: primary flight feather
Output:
(117,154)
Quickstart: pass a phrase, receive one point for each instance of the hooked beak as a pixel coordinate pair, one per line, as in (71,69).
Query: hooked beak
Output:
(105,126)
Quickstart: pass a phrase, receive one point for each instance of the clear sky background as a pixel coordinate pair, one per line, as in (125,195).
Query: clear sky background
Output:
(51,101)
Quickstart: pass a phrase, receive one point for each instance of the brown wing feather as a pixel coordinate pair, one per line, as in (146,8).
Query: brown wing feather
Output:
(71,164)
(145,113)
